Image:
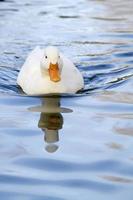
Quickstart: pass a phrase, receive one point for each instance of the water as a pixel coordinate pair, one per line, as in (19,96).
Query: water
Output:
(68,147)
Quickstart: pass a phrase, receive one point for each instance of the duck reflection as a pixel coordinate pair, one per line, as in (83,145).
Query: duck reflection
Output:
(51,121)
(50,124)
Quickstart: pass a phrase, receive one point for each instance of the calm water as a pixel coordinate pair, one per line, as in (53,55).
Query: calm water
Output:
(73,147)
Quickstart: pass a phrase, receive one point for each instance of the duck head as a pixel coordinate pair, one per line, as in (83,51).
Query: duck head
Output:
(52,63)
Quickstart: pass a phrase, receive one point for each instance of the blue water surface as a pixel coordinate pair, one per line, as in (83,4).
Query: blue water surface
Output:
(73,146)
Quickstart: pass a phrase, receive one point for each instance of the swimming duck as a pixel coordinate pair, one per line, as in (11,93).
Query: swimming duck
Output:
(48,71)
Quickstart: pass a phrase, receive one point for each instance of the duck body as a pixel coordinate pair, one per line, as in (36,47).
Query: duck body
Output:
(35,80)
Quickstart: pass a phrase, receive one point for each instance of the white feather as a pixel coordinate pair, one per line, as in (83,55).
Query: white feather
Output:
(34,82)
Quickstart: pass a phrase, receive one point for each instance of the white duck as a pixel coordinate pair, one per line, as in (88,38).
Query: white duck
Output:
(49,71)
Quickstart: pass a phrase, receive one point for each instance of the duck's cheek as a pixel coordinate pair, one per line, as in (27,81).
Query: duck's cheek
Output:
(60,64)
(54,72)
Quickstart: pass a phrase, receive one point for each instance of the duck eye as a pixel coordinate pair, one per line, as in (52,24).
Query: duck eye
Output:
(46,57)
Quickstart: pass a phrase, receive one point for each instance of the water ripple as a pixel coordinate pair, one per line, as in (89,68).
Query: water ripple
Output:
(64,167)
(20,195)
(77,183)
(95,158)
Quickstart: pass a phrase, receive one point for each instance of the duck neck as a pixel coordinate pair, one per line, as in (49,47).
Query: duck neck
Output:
(51,102)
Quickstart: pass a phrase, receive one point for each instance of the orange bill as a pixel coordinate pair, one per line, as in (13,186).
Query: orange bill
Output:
(54,72)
